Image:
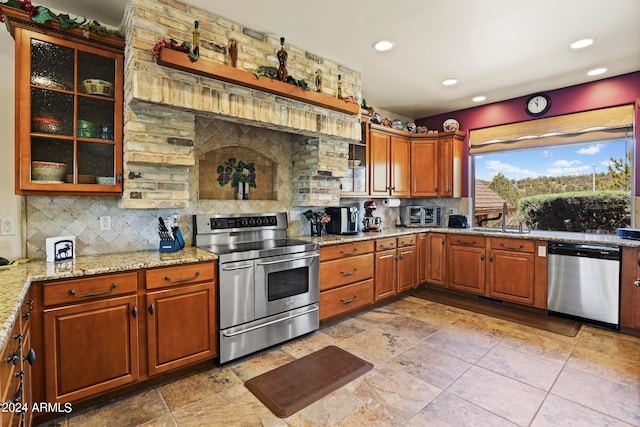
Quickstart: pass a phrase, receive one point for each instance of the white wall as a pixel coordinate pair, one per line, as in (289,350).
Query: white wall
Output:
(10,204)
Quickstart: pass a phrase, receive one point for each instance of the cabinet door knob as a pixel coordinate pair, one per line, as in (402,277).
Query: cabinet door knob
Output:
(134,312)
(152,309)
(490,258)
(442,241)
(637,282)
(30,357)
(481,257)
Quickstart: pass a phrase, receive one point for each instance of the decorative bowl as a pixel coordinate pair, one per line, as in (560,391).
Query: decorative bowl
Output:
(98,87)
(397,124)
(45,124)
(450,125)
(87,133)
(48,171)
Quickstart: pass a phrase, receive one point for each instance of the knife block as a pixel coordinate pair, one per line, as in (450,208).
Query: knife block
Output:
(173,245)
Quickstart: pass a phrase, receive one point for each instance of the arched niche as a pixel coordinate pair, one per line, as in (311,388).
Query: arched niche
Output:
(223,170)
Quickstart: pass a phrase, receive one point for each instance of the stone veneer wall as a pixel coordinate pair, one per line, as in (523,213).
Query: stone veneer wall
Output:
(161,104)
(136,229)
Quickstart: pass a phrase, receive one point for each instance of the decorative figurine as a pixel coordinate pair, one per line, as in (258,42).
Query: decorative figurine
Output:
(196,39)
(282,59)
(339,86)
(233,52)
(318,80)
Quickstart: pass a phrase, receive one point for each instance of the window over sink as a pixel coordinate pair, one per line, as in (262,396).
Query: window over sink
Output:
(563,178)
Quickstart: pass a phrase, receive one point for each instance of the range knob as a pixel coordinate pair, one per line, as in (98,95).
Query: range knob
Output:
(244,221)
(258,221)
(252,221)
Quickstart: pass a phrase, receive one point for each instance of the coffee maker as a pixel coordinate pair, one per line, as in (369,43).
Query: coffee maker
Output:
(370,222)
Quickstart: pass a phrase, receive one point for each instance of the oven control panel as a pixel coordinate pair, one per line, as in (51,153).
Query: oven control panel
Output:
(242,222)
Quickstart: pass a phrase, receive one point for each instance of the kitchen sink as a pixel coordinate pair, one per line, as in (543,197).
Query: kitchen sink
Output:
(500,230)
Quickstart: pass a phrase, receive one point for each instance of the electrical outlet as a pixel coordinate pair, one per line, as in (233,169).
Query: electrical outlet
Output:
(9,227)
(453,211)
(105,223)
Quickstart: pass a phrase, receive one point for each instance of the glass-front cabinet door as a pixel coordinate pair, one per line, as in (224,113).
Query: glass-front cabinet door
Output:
(356,183)
(69,110)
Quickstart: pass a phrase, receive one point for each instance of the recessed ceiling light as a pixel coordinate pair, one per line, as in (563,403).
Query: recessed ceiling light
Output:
(579,44)
(383,45)
(449,82)
(479,98)
(597,71)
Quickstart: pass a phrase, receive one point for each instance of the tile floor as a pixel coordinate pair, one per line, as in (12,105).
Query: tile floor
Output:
(434,365)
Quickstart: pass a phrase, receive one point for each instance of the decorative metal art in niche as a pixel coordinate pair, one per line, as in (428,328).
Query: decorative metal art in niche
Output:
(254,177)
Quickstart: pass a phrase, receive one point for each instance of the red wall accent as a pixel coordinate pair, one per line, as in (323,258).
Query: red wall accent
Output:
(610,92)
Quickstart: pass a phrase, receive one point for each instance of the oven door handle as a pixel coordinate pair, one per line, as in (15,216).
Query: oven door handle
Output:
(291,316)
(286,260)
(238,267)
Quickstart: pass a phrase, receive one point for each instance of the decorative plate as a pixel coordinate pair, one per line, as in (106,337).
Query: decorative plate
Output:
(450,125)
(397,124)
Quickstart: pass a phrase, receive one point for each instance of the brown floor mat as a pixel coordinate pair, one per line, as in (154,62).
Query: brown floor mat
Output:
(558,325)
(289,388)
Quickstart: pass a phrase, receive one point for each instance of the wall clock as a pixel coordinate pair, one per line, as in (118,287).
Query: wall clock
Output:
(537,105)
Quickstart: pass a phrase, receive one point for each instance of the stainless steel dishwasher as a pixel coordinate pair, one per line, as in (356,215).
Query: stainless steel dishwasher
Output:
(584,282)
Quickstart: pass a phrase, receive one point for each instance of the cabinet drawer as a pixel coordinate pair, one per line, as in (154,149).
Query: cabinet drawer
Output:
(179,275)
(409,240)
(386,244)
(344,271)
(345,250)
(467,240)
(70,291)
(516,245)
(347,298)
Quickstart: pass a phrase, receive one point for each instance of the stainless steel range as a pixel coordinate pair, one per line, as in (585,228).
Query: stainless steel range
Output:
(268,284)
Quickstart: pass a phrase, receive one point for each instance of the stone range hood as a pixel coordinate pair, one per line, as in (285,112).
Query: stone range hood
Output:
(161,105)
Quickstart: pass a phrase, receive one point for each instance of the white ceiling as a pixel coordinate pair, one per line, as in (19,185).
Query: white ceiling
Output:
(501,49)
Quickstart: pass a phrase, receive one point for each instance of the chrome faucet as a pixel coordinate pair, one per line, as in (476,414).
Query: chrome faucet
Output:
(505,211)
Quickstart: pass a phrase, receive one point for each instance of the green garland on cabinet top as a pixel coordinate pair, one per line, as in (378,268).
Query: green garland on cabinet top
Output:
(42,15)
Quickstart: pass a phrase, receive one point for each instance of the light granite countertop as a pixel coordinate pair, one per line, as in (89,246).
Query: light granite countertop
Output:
(16,279)
(607,239)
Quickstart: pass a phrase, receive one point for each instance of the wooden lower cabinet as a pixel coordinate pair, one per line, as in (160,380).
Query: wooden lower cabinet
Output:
(436,258)
(395,267)
(466,263)
(90,348)
(181,327)
(10,384)
(104,332)
(421,258)
(386,272)
(346,278)
(630,289)
(512,270)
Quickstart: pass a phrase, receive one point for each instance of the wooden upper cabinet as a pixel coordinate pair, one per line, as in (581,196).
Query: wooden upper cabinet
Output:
(424,167)
(400,166)
(68,112)
(389,163)
(450,164)
(379,163)
(436,165)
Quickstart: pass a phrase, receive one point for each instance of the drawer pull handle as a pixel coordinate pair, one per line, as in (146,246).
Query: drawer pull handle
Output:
(27,315)
(72,292)
(349,273)
(186,279)
(13,358)
(353,252)
(512,248)
(350,300)
(30,357)
(409,243)
(466,243)
(386,247)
